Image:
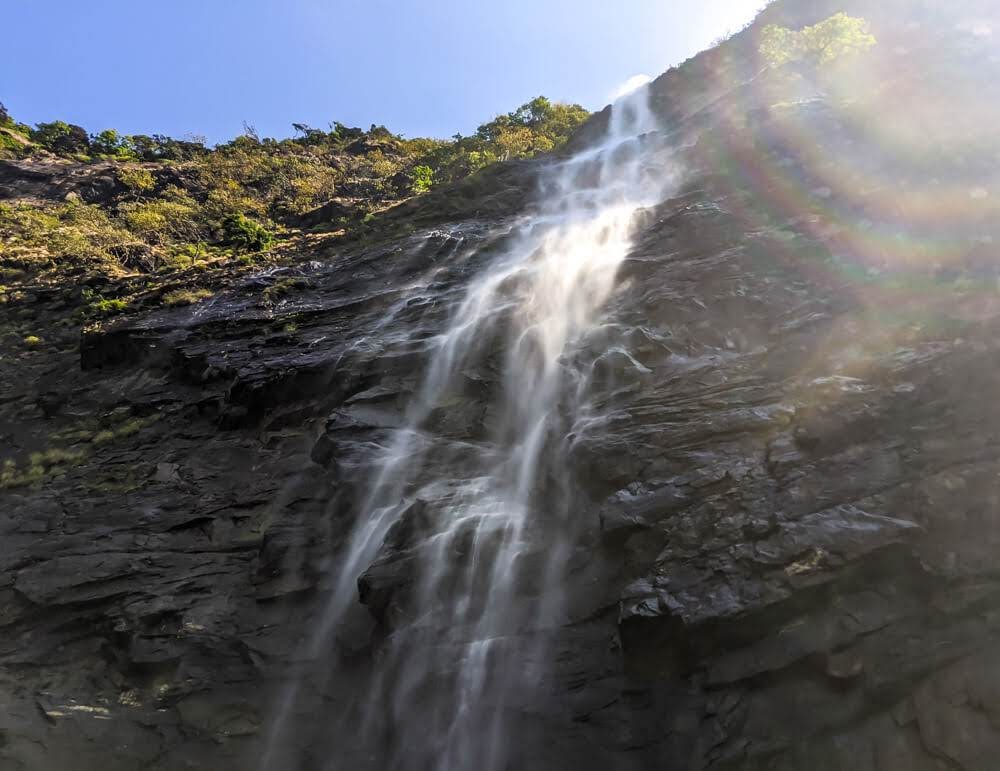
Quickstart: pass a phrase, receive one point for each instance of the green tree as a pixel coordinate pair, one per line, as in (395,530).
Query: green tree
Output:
(519,142)
(535,127)
(61,137)
(831,39)
(108,142)
(780,45)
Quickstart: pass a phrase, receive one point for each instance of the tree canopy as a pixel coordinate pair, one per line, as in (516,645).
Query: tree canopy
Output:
(831,39)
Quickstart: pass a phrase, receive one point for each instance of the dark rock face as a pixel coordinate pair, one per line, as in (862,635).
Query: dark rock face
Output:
(787,545)
(59,180)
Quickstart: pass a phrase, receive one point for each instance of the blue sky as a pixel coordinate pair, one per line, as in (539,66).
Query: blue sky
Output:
(423,68)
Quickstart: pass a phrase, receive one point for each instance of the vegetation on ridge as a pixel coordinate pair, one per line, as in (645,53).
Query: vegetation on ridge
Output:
(175,203)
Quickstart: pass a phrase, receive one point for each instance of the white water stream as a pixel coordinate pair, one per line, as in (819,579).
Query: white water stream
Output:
(493,512)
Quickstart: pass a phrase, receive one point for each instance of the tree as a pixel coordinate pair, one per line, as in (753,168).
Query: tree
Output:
(518,142)
(249,130)
(159,147)
(840,35)
(834,38)
(5,119)
(780,45)
(343,134)
(61,137)
(309,134)
(144,147)
(108,142)
(535,113)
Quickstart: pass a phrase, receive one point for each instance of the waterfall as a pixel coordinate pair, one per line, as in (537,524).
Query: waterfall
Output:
(484,523)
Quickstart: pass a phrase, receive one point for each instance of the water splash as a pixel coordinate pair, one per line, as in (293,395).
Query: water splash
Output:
(482,525)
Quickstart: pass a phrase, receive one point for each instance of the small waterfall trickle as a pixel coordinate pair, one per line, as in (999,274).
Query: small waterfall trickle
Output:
(485,523)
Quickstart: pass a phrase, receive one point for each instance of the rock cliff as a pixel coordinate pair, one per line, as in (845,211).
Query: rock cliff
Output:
(787,515)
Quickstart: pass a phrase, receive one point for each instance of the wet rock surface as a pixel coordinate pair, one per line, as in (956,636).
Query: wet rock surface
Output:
(787,532)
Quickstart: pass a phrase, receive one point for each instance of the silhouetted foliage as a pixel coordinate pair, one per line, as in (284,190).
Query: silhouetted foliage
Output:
(61,137)
(163,148)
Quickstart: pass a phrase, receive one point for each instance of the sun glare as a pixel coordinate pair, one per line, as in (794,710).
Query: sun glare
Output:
(630,85)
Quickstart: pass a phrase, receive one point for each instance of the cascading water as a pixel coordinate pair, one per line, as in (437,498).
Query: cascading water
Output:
(483,524)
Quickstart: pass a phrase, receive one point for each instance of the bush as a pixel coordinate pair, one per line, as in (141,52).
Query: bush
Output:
(246,234)
(107,306)
(10,147)
(159,221)
(422,179)
(39,237)
(136,179)
(191,254)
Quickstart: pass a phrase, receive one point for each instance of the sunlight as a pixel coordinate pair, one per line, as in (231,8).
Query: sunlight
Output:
(726,17)
(425,412)
(630,85)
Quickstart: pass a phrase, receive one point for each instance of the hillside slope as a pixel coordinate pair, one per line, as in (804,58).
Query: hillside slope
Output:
(787,530)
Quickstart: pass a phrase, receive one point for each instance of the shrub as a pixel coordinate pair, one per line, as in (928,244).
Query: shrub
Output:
(136,179)
(190,254)
(104,306)
(381,166)
(10,146)
(8,122)
(159,221)
(39,237)
(247,234)
(422,179)
(32,341)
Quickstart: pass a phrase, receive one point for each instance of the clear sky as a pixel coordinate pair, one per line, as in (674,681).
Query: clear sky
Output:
(421,67)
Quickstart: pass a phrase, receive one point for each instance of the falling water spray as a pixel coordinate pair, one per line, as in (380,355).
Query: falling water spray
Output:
(489,518)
